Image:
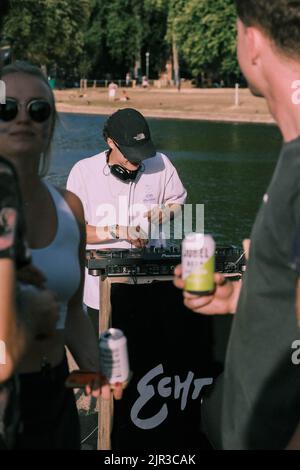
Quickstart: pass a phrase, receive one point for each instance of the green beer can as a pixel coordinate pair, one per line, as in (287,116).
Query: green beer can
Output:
(198,263)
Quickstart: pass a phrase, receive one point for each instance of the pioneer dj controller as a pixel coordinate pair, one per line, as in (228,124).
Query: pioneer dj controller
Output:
(155,261)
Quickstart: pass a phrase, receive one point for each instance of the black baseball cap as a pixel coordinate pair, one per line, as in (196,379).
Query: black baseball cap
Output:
(130,131)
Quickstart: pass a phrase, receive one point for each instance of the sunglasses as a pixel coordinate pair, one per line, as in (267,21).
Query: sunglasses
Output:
(38,110)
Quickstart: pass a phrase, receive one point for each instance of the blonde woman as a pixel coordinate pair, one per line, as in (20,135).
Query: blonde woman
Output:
(56,237)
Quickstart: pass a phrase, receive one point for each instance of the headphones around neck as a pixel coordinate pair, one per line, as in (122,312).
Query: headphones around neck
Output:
(122,173)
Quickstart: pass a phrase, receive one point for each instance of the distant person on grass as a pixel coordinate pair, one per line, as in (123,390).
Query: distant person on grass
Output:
(124,96)
(112,91)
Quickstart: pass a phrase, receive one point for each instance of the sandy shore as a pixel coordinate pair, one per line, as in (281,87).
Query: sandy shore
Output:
(196,104)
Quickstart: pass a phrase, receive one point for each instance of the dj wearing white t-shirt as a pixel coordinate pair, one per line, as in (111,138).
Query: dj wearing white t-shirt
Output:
(124,190)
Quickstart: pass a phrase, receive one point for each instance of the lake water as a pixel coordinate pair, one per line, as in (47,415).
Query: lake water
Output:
(225,166)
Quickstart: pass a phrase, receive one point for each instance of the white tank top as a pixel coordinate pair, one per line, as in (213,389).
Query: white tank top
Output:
(59,261)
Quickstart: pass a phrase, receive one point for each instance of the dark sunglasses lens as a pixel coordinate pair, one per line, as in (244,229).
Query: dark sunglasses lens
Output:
(9,110)
(39,111)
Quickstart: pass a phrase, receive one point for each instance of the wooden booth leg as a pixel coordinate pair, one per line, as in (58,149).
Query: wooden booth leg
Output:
(105,412)
(105,407)
(105,417)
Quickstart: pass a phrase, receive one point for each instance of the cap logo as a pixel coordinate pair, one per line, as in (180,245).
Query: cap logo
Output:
(139,137)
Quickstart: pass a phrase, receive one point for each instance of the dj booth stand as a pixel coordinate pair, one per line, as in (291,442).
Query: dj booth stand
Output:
(229,260)
(105,414)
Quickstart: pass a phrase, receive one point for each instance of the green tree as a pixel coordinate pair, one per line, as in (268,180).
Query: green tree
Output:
(47,32)
(4,6)
(120,32)
(205,32)
(110,37)
(174,10)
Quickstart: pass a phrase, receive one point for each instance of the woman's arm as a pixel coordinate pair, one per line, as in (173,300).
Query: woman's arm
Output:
(80,336)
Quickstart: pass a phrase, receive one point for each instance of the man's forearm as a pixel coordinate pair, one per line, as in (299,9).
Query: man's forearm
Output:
(95,235)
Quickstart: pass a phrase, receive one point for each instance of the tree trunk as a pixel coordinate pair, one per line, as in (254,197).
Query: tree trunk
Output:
(176,62)
(137,65)
(138,42)
(44,70)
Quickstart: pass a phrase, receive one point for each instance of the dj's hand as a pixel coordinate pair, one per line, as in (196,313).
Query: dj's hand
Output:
(157,215)
(135,235)
(161,214)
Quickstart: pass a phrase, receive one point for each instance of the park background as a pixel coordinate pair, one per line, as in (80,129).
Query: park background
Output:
(187,51)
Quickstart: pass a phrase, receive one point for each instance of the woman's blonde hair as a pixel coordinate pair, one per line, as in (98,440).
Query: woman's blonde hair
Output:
(24,67)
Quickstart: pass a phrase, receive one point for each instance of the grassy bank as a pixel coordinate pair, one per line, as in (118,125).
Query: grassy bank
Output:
(198,104)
